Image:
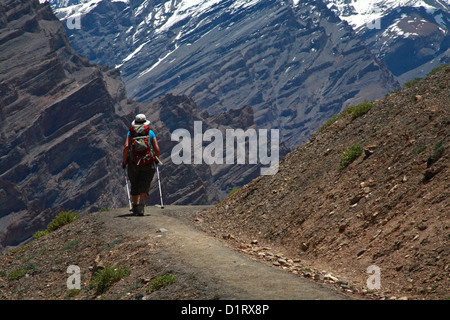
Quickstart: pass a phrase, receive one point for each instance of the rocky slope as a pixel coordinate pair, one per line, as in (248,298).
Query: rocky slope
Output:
(55,105)
(63,123)
(294,62)
(389,208)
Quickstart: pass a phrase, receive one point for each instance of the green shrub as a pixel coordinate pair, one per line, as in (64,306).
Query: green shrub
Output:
(20,272)
(40,233)
(62,219)
(105,278)
(438,150)
(353,111)
(350,155)
(442,66)
(161,281)
(233,191)
(359,110)
(411,82)
(72,293)
(17,274)
(329,122)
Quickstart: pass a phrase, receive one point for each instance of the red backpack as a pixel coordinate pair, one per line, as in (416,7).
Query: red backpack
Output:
(141,151)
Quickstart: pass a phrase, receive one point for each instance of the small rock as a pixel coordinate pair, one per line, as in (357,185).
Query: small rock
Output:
(342,282)
(361,252)
(229,236)
(318,277)
(304,246)
(254,242)
(356,198)
(162,230)
(369,150)
(330,277)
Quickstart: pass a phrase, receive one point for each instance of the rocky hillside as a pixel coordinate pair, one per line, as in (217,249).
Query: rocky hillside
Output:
(54,108)
(63,123)
(389,207)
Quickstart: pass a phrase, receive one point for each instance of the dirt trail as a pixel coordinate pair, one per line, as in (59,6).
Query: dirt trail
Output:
(235,275)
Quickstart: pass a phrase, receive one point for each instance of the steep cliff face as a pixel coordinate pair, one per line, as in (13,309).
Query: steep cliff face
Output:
(63,122)
(294,62)
(59,128)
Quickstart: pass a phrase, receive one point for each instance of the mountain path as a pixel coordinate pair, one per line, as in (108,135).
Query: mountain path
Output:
(231,273)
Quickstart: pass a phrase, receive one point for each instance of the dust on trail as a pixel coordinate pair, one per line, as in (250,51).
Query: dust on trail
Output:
(236,275)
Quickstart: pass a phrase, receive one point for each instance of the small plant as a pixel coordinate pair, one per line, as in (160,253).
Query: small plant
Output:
(233,191)
(105,278)
(40,233)
(161,281)
(419,149)
(329,122)
(412,82)
(72,293)
(62,219)
(438,150)
(359,110)
(442,66)
(350,155)
(353,111)
(115,242)
(20,272)
(70,245)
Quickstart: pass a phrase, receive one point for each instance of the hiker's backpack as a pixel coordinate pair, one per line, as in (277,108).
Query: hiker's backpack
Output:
(141,153)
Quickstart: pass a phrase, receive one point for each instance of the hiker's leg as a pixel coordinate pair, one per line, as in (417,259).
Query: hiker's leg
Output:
(143,198)
(134,181)
(145,179)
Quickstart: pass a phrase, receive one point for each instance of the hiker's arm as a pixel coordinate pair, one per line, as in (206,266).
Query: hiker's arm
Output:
(155,146)
(126,148)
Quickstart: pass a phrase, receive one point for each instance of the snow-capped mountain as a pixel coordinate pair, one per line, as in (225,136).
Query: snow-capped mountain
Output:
(411,36)
(294,62)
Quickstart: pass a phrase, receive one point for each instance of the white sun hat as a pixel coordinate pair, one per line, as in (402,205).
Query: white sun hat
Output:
(141,119)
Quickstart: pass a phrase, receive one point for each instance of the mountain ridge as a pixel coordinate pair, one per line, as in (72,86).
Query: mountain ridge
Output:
(295,69)
(411,37)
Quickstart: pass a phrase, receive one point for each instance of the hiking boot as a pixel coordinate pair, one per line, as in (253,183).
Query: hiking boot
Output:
(135,208)
(140,209)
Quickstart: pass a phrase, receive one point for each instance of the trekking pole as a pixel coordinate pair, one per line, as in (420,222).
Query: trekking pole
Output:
(159,184)
(128,189)
(158,163)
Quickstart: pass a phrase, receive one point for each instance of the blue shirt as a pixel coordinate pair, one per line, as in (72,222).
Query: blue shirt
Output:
(151,134)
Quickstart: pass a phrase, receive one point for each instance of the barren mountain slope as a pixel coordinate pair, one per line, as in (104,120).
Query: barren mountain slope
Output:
(389,208)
